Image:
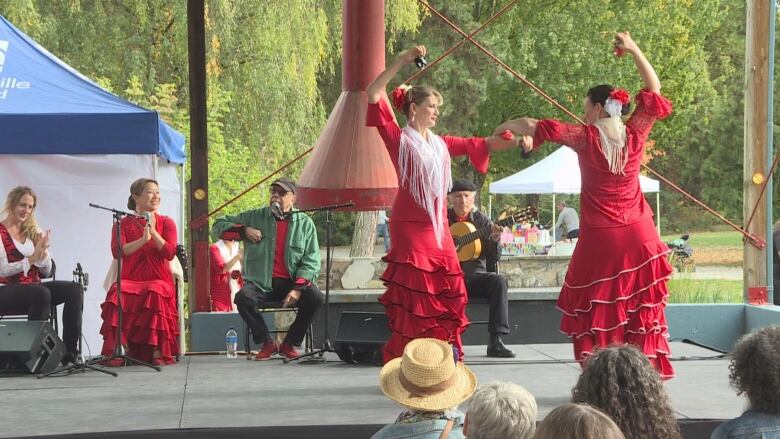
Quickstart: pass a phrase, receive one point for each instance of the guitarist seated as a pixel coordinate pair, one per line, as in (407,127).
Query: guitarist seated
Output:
(481,279)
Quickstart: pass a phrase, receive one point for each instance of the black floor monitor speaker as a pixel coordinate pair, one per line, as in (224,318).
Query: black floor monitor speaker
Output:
(29,347)
(360,337)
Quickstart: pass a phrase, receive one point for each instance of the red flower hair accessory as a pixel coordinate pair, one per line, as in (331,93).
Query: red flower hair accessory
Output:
(620,95)
(507,135)
(399,96)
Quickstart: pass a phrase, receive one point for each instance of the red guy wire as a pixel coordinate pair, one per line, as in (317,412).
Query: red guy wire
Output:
(754,240)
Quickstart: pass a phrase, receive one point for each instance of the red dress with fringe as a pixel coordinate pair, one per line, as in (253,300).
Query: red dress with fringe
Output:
(615,289)
(426,293)
(150,312)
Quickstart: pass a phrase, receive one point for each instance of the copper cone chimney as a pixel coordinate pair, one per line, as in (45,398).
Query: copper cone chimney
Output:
(349,161)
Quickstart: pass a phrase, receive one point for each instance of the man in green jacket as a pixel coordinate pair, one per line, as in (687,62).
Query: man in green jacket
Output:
(281,263)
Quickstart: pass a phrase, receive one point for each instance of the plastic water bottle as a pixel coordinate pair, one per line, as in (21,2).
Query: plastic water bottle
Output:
(231,343)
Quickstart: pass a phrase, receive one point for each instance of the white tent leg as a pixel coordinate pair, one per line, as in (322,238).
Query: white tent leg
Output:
(490,207)
(658,212)
(552,226)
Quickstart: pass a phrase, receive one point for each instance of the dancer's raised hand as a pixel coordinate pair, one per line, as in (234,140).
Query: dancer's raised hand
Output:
(624,43)
(410,54)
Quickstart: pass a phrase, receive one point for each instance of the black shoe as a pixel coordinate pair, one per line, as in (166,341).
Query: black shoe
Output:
(69,358)
(496,348)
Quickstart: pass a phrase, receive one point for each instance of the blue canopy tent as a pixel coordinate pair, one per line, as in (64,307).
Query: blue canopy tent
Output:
(75,143)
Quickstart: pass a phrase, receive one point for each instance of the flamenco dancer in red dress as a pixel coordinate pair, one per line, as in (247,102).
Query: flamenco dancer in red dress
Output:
(426,293)
(615,290)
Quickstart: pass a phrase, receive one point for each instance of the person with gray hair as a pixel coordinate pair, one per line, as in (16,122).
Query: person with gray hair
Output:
(500,409)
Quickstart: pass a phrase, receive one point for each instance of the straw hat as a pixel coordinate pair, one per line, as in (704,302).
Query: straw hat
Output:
(426,377)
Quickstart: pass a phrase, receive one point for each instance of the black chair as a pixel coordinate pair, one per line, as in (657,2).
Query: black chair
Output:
(308,343)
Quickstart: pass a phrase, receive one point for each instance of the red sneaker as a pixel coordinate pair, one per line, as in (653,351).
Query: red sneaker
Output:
(288,351)
(268,349)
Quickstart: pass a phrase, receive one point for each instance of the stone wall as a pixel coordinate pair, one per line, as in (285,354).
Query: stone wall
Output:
(521,271)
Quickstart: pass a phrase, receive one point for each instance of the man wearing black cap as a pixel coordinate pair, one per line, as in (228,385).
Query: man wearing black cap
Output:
(481,279)
(281,263)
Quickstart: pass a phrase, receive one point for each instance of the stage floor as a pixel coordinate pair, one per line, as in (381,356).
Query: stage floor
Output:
(213,391)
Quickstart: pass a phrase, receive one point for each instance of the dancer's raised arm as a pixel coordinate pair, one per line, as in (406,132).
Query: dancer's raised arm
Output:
(624,42)
(379,85)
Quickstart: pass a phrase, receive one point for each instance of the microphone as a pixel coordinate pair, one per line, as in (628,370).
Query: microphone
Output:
(276,211)
(148,218)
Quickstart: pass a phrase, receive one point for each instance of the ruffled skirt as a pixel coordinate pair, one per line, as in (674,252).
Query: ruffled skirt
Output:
(426,294)
(615,292)
(149,320)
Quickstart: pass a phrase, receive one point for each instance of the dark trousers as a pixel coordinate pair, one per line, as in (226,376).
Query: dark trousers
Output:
(250,298)
(35,300)
(494,288)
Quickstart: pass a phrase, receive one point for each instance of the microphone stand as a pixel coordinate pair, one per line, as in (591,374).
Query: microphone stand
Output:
(327,346)
(79,364)
(119,348)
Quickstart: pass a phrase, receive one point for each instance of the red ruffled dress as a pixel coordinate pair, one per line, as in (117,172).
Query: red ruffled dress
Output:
(221,300)
(615,289)
(150,312)
(426,293)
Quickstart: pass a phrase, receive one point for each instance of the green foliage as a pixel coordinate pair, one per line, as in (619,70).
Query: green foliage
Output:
(274,74)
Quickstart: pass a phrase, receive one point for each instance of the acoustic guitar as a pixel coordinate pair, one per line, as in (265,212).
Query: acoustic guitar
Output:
(467,236)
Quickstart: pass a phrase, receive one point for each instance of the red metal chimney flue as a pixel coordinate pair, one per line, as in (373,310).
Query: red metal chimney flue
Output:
(349,161)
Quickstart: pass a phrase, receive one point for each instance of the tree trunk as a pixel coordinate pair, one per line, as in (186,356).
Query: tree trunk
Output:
(364,237)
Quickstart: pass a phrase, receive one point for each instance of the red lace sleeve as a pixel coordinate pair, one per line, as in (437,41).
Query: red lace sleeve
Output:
(168,250)
(649,107)
(475,147)
(380,115)
(571,135)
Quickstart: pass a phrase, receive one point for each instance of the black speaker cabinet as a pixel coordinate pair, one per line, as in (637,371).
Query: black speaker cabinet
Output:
(29,346)
(360,337)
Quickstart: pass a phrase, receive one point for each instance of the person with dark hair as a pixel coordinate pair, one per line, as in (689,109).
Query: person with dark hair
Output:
(577,421)
(281,264)
(755,372)
(426,294)
(24,259)
(482,279)
(150,319)
(620,381)
(616,285)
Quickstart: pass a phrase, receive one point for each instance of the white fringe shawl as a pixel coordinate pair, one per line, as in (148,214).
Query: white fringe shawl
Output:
(425,173)
(613,143)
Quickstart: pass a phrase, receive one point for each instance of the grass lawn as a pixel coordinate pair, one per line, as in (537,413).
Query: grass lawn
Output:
(714,248)
(711,239)
(705,291)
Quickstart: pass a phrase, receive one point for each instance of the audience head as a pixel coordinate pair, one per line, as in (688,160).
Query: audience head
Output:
(577,421)
(755,369)
(560,205)
(501,409)
(20,208)
(621,382)
(144,195)
(427,378)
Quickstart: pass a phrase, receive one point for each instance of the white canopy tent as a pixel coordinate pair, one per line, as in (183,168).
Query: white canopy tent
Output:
(559,173)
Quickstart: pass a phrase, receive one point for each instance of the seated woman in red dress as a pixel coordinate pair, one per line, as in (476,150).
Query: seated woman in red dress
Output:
(615,289)
(426,293)
(150,328)
(225,262)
